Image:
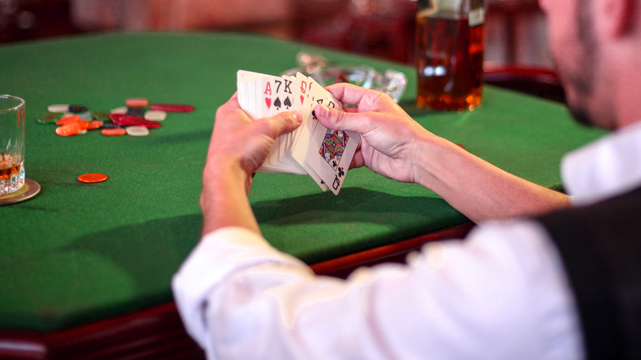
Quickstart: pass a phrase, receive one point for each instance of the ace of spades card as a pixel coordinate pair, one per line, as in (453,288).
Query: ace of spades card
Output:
(330,153)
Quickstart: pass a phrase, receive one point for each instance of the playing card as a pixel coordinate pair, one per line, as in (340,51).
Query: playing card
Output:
(263,96)
(308,91)
(330,153)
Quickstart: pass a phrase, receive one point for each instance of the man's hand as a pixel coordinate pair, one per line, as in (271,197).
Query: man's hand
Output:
(239,141)
(399,148)
(390,137)
(238,147)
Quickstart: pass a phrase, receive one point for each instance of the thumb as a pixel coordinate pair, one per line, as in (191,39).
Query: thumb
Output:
(339,120)
(279,124)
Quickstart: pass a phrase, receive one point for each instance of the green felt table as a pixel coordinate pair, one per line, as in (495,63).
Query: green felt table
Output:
(79,253)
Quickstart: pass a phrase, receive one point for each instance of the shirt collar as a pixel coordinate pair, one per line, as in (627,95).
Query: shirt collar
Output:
(605,168)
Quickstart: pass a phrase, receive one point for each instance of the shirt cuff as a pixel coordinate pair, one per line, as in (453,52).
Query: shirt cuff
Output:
(218,255)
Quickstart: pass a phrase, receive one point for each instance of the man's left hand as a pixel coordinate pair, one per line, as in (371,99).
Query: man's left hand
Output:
(239,141)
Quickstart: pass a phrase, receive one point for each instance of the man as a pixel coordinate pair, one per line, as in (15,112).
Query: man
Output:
(566,285)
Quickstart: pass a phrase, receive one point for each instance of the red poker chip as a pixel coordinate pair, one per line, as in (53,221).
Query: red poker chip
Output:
(131,120)
(175,108)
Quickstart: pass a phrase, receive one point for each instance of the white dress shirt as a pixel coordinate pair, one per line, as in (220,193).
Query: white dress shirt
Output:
(501,294)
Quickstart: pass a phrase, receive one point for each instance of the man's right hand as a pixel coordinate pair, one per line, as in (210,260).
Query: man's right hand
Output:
(391,139)
(396,146)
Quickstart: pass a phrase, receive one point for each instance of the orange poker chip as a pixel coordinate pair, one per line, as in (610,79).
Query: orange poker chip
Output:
(137,102)
(96,124)
(68,120)
(113,132)
(70,129)
(84,124)
(92,178)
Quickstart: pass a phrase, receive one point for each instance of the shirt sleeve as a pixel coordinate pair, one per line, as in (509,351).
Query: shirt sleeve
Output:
(500,294)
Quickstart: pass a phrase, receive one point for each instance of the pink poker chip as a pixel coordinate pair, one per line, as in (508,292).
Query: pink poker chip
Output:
(175,108)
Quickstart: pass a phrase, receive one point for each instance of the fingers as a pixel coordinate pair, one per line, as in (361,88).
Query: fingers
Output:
(282,123)
(354,95)
(339,120)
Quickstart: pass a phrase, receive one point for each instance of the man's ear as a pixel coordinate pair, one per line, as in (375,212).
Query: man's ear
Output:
(615,18)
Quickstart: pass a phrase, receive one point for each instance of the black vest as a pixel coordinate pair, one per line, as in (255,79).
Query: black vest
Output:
(600,246)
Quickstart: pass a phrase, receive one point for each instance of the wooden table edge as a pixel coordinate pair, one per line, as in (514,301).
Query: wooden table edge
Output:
(158,332)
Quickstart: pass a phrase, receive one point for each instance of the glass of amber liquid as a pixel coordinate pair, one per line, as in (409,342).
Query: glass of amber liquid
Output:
(12,122)
(450,44)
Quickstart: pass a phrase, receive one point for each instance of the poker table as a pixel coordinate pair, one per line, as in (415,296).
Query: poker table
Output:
(86,268)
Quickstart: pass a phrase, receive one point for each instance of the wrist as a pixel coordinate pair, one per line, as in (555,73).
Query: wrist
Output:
(224,200)
(433,160)
(220,178)
(222,170)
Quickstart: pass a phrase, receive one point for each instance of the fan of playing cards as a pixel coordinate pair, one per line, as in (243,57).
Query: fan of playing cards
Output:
(312,149)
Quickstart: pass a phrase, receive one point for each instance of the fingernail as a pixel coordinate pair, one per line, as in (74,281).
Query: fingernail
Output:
(298,116)
(324,111)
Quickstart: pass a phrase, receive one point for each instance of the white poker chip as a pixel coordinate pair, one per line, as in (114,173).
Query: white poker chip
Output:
(119,110)
(155,115)
(85,116)
(137,131)
(61,108)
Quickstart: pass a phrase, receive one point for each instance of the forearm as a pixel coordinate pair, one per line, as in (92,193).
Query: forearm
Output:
(224,200)
(478,189)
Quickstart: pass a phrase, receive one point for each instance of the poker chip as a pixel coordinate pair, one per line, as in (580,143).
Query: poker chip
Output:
(113,132)
(70,129)
(50,118)
(92,178)
(85,115)
(62,108)
(155,115)
(100,115)
(136,102)
(77,109)
(130,120)
(175,108)
(84,124)
(137,131)
(135,111)
(68,120)
(133,119)
(95,124)
(461,146)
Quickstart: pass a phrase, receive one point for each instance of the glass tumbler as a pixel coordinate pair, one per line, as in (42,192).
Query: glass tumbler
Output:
(12,127)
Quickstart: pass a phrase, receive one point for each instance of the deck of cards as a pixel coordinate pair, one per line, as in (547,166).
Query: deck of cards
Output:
(312,149)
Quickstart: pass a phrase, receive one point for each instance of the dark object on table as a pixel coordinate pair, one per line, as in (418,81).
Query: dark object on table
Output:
(538,82)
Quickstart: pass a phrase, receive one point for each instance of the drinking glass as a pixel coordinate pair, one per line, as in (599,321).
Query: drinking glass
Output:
(12,125)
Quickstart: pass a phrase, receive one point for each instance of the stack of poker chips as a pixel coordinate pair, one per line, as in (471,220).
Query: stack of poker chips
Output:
(134,119)
(136,106)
